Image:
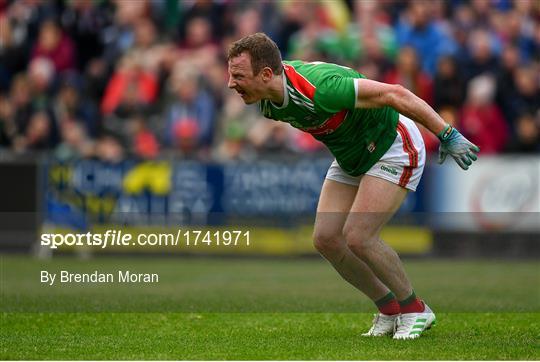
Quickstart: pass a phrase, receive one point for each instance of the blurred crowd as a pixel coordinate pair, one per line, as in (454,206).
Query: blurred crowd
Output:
(111,79)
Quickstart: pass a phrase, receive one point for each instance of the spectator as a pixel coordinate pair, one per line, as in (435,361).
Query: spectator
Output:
(516,33)
(482,10)
(526,10)
(41,76)
(379,53)
(234,145)
(70,106)
(131,86)
(190,114)
(120,61)
(212,11)
(168,14)
(536,37)
(8,128)
(231,135)
(463,23)
(368,39)
(21,104)
(271,138)
(481,119)
(109,149)
(119,36)
(527,137)
(417,29)
(247,22)
(85,21)
(38,135)
(75,142)
(215,78)
(54,45)
(96,77)
(303,44)
(27,15)
(506,87)
(449,86)
(199,43)
(526,98)
(408,73)
(146,45)
(144,144)
(32,94)
(481,58)
(13,53)
(292,18)
(376,38)
(371,69)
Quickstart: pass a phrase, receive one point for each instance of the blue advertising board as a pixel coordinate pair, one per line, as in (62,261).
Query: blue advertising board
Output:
(154,192)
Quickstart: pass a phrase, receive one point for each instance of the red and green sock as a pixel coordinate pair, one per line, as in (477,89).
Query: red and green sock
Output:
(388,304)
(411,304)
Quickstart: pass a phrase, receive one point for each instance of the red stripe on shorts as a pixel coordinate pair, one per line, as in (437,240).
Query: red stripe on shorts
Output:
(408,146)
(405,176)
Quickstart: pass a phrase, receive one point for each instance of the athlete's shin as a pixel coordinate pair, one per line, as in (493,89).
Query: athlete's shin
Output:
(349,267)
(383,261)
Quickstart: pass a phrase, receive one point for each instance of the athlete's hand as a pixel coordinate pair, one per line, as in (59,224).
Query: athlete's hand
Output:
(454,144)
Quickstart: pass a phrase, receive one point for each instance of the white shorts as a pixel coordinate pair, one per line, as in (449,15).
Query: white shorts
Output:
(402,164)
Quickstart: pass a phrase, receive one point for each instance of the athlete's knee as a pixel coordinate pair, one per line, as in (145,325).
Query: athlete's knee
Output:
(327,242)
(359,240)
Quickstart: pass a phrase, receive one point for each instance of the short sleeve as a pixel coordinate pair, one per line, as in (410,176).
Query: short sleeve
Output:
(336,93)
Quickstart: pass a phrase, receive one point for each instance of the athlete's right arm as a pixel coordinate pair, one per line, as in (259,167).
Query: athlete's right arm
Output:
(373,94)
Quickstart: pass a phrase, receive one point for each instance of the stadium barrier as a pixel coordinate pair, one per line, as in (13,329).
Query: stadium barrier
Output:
(21,198)
(453,213)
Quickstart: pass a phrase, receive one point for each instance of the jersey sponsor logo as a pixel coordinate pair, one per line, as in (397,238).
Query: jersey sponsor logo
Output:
(328,126)
(310,118)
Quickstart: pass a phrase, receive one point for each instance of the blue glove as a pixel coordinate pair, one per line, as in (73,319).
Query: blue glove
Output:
(454,144)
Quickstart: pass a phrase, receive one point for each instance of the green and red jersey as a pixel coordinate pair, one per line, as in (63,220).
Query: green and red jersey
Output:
(320,98)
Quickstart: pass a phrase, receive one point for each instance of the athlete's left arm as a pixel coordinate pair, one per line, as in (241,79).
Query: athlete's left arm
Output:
(373,94)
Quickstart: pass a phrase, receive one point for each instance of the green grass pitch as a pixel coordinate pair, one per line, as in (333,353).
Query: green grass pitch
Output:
(214,309)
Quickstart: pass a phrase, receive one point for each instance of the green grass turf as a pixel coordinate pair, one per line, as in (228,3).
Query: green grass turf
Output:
(260,336)
(261,309)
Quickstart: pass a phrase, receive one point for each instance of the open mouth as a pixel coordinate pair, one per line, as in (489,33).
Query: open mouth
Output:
(241,92)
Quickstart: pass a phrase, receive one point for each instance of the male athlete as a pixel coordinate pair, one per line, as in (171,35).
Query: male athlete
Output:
(379,156)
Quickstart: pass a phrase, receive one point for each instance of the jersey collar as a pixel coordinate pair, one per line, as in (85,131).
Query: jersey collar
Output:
(285,94)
